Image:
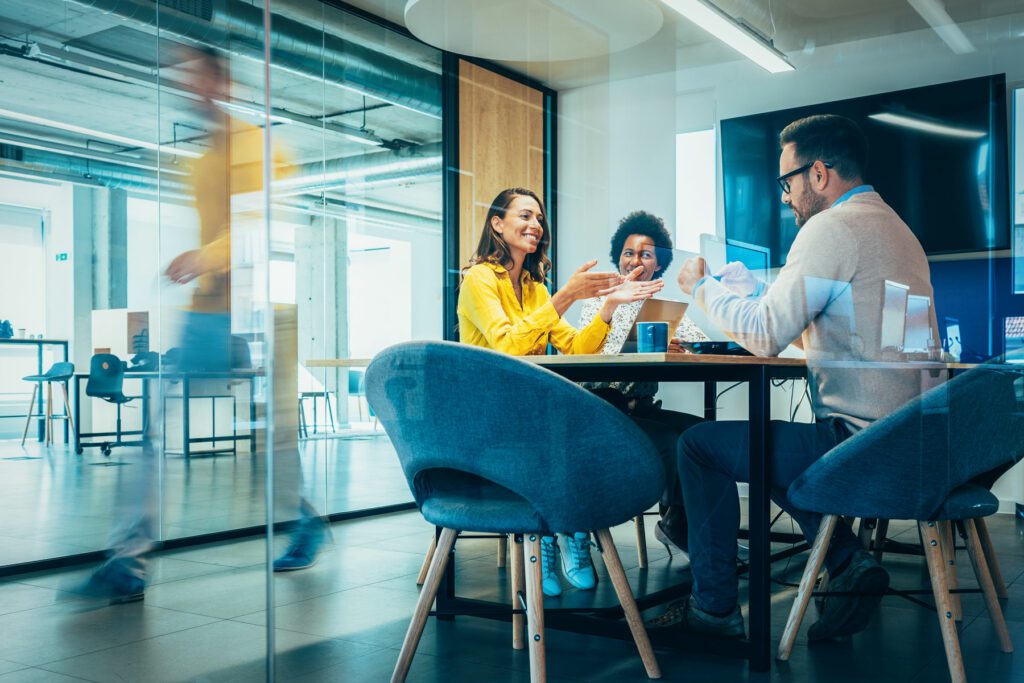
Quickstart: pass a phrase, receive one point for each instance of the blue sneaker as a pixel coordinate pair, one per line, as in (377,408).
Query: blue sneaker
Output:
(549,578)
(304,547)
(577,566)
(114,583)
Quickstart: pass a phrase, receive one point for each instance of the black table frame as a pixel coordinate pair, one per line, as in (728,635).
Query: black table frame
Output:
(39,344)
(186,382)
(756,648)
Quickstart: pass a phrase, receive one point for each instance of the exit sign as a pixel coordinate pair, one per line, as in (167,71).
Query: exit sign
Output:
(62,256)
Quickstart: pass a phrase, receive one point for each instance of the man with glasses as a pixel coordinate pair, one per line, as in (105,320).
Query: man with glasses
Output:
(827,299)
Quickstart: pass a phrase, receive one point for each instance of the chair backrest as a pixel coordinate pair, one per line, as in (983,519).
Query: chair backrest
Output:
(241,358)
(106,376)
(356,386)
(453,410)
(61,371)
(905,465)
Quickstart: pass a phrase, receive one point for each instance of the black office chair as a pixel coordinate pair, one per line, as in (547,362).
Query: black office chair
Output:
(106,382)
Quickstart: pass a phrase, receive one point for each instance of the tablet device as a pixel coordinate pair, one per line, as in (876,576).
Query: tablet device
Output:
(659,311)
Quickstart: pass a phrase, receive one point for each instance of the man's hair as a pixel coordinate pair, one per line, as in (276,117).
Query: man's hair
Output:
(831,138)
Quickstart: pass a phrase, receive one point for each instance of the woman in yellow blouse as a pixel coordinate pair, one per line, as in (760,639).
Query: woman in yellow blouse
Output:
(504,305)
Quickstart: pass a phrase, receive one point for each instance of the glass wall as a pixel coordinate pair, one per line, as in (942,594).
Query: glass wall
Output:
(219,333)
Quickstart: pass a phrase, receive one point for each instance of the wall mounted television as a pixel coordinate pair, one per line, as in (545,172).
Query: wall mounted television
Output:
(937,155)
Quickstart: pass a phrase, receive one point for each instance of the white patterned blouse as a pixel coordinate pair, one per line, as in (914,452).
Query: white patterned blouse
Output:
(622,321)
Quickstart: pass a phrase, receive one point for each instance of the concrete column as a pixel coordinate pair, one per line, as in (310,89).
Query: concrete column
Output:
(321,292)
(83,218)
(109,248)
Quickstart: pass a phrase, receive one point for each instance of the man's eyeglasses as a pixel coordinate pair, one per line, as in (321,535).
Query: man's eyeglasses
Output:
(783,180)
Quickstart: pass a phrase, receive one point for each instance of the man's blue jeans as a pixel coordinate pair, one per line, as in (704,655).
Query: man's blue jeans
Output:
(713,456)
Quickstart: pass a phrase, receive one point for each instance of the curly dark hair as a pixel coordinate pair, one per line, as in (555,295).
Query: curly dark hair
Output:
(649,225)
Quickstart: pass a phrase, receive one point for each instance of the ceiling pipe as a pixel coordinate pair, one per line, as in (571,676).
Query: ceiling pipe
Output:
(238,28)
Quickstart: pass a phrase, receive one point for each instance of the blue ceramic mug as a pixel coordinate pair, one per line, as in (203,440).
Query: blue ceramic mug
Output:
(651,337)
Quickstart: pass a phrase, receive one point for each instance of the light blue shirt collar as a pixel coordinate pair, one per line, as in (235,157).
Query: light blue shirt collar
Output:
(849,193)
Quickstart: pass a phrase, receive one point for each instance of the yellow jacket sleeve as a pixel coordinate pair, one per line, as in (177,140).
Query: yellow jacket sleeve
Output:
(567,339)
(480,303)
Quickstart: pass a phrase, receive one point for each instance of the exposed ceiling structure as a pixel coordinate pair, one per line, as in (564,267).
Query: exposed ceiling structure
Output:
(97,92)
(794,25)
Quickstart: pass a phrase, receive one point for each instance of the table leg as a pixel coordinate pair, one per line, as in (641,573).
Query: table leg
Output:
(710,402)
(252,416)
(39,401)
(76,383)
(64,347)
(186,451)
(758,516)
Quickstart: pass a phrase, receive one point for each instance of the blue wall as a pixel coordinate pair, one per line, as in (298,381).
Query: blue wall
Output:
(979,293)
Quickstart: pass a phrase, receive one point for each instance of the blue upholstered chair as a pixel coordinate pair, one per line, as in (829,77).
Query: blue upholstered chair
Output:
(493,443)
(930,462)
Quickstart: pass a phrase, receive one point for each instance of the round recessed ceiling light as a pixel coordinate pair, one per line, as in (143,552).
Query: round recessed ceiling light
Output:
(533,30)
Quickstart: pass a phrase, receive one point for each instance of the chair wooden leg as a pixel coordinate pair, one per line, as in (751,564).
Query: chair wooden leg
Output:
(943,605)
(67,408)
(947,540)
(535,610)
(991,559)
(426,560)
(31,409)
(981,570)
(49,413)
(518,585)
(803,593)
(880,531)
(502,551)
(628,602)
(426,599)
(641,541)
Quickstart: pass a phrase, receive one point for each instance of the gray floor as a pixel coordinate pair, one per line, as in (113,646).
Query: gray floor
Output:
(57,503)
(204,614)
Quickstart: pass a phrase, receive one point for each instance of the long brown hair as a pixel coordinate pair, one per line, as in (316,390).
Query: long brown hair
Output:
(492,247)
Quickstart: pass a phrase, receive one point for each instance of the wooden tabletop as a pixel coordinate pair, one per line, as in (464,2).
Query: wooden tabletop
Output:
(678,359)
(598,358)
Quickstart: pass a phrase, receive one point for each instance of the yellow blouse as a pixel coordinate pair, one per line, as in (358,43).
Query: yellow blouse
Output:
(490,316)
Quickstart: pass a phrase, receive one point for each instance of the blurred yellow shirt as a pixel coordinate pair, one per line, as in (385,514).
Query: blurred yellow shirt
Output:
(490,316)
(227,183)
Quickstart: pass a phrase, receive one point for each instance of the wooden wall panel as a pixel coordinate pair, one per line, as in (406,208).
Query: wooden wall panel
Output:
(501,144)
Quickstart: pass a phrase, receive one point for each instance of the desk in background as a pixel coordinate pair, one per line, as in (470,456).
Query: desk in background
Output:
(186,379)
(39,344)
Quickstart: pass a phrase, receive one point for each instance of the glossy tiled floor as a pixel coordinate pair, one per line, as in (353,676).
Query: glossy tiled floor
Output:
(343,620)
(56,503)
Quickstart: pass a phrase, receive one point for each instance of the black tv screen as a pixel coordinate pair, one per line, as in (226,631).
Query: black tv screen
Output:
(937,155)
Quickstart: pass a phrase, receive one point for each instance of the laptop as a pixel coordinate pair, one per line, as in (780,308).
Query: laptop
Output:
(656,311)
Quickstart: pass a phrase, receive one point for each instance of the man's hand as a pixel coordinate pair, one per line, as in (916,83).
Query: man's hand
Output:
(737,278)
(693,270)
(185,267)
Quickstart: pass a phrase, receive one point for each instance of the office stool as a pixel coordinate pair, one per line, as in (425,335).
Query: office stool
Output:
(60,373)
(303,428)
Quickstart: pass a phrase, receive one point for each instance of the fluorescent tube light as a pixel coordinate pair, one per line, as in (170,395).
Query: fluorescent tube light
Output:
(938,18)
(111,137)
(927,126)
(729,31)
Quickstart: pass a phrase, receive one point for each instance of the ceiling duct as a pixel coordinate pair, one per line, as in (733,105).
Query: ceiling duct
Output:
(315,177)
(238,27)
